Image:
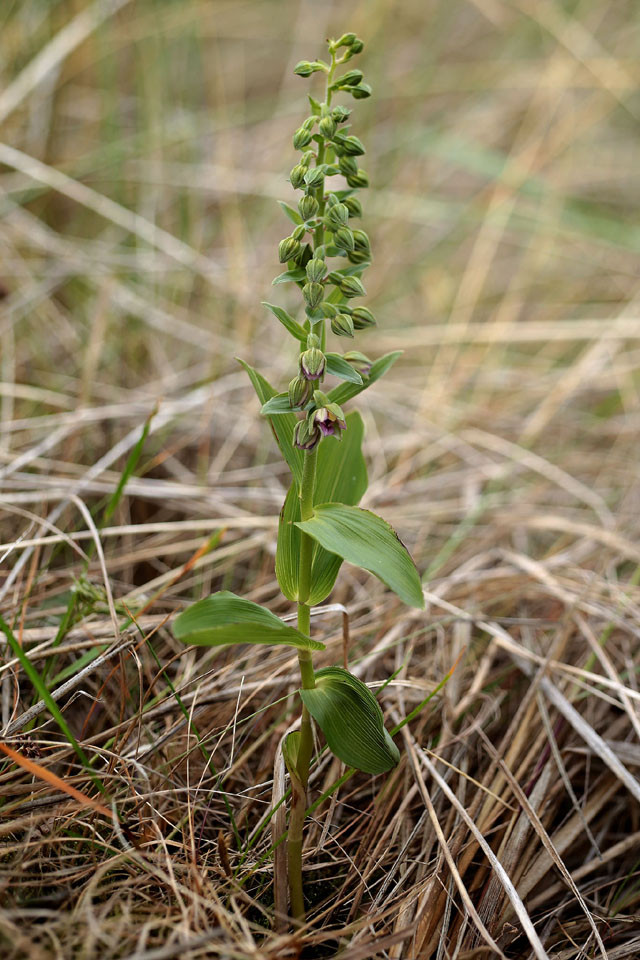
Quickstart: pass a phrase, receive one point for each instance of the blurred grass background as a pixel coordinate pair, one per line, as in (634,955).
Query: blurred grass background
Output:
(143,144)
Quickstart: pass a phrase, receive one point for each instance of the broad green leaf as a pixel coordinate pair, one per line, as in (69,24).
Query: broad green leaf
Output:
(293,215)
(282,427)
(351,719)
(346,391)
(277,406)
(368,541)
(290,276)
(287,321)
(224,618)
(337,366)
(341,475)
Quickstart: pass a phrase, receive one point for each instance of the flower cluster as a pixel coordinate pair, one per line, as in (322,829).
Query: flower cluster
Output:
(323,230)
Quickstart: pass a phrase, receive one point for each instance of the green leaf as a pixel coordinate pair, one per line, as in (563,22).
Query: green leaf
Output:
(341,474)
(368,541)
(224,618)
(282,427)
(287,321)
(337,366)
(346,391)
(351,719)
(293,215)
(290,276)
(276,406)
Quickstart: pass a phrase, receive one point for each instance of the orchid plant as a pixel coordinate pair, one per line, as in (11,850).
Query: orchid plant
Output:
(321,524)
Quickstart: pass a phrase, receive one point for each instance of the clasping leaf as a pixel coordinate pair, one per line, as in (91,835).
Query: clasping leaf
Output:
(351,719)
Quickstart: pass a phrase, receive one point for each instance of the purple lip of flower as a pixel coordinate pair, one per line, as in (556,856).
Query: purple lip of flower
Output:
(328,423)
(310,376)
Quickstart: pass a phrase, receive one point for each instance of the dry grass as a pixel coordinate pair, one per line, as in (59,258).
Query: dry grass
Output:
(143,148)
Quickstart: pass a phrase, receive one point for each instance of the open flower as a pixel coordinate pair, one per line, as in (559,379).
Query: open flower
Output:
(330,420)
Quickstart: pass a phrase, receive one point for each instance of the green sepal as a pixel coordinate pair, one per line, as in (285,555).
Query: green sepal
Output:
(341,474)
(293,215)
(366,540)
(287,321)
(351,719)
(337,366)
(282,426)
(224,618)
(346,391)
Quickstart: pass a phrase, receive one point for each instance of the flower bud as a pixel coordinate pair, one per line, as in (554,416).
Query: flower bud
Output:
(353,205)
(361,92)
(309,123)
(348,166)
(349,79)
(342,325)
(351,287)
(305,68)
(340,114)
(361,241)
(344,238)
(306,435)
(299,232)
(357,46)
(359,179)
(359,256)
(301,138)
(312,364)
(299,392)
(345,40)
(288,249)
(308,207)
(338,215)
(307,158)
(297,176)
(349,145)
(359,362)
(314,176)
(327,127)
(362,318)
(316,269)
(329,309)
(332,200)
(313,293)
(312,341)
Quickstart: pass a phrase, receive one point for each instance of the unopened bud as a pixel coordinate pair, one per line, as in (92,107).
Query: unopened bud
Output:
(351,287)
(329,309)
(327,127)
(344,238)
(312,364)
(308,207)
(359,179)
(361,241)
(359,362)
(346,40)
(314,176)
(338,215)
(316,269)
(299,232)
(349,79)
(309,123)
(305,68)
(306,435)
(297,175)
(299,392)
(312,341)
(307,158)
(362,318)
(359,256)
(340,114)
(353,205)
(348,166)
(361,92)
(301,138)
(288,249)
(357,46)
(332,200)
(313,293)
(342,325)
(349,145)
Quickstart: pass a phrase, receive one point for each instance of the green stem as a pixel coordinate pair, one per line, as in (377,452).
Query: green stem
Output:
(305,750)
